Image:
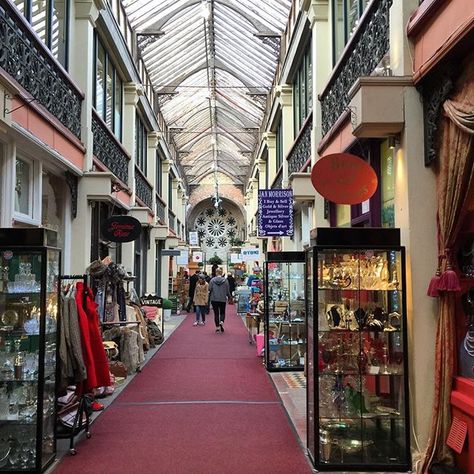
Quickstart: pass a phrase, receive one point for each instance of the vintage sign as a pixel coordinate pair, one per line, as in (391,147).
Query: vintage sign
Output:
(183,257)
(343,178)
(170,253)
(121,229)
(151,300)
(275,212)
(235,258)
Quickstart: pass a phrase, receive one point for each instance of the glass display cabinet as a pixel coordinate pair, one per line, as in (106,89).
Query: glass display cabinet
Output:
(285,313)
(29,273)
(357,386)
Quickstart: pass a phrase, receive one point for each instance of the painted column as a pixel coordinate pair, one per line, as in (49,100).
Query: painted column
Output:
(285,97)
(82,60)
(318,15)
(270,140)
(128,141)
(415,186)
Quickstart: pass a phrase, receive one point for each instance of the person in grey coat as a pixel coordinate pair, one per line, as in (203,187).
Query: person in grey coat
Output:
(218,295)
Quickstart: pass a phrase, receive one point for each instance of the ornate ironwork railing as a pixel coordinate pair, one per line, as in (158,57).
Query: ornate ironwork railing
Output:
(160,209)
(301,150)
(30,63)
(171,220)
(366,49)
(277,184)
(108,150)
(143,189)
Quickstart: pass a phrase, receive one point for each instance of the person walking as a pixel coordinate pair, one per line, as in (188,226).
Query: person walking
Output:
(232,285)
(218,295)
(192,287)
(200,299)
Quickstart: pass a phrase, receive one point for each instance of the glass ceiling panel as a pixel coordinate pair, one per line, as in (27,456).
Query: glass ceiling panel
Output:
(211,75)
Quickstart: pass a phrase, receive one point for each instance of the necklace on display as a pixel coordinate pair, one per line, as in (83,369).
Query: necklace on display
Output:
(469,343)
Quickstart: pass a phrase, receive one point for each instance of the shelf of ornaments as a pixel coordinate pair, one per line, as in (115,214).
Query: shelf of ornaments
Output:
(350,288)
(48,376)
(357,373)
(358,331)
(367,416)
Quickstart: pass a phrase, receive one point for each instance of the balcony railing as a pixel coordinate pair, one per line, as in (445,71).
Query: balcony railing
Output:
(108,150)
(143,189)
(363,53)
(160,209)
(300,153)
(171,220)
(27,60)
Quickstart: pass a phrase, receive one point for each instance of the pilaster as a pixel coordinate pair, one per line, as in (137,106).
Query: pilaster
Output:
(82,60)
(131,92)
(270,140)
(153,144)
(285,97)
(165,169)
(262,173)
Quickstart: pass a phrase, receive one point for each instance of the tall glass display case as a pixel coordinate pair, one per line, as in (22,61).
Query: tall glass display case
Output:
(285,313)
(358,414)
(29,273)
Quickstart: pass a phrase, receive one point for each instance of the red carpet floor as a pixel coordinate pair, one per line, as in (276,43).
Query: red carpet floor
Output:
(202,405)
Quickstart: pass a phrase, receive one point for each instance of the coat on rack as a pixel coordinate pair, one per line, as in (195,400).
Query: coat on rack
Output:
(95,358)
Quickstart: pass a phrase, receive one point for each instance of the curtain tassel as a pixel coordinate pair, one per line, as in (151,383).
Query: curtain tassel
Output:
(433,286)
(449,280)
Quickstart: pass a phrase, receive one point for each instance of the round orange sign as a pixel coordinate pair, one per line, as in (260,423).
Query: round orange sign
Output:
(343,178)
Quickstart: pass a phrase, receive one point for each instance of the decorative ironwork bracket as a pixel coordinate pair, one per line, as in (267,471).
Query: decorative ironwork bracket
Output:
(72,182)
(7,111)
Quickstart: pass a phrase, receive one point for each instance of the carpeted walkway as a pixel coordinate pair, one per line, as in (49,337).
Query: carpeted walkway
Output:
(202,405)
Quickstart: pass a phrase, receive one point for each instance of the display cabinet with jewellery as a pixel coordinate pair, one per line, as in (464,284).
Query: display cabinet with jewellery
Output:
(358,416)
(28,321)
(285,315)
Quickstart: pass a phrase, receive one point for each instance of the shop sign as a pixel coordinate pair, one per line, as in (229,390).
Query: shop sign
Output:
(275,212)
(151,300)
(170,253)
(343,178)
(197,257)
(121,229)
(235,258)
(250,254)
(183,257)
(193,238)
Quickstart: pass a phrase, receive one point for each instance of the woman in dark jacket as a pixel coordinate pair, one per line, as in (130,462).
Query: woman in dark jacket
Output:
(218,295)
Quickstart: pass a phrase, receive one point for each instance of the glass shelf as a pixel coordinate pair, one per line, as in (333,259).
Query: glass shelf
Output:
(27,320)
(356,379)
(285,315)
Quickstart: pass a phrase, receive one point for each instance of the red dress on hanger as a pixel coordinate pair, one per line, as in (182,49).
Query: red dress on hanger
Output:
(95,358)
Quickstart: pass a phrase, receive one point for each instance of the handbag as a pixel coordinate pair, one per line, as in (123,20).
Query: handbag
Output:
(118,369)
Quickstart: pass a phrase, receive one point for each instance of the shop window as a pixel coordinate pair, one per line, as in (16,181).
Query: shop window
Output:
(368,213)
(387,185)
(50,20)
(101,248)
(26,188)
(52,205)
(108,93)
(141,145)
(345,19)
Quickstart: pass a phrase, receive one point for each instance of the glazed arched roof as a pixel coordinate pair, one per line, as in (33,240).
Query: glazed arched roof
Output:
(212,74)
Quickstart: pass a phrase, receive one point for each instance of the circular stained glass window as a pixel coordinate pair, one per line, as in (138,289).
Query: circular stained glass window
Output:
(222,241)
(210,242)
(209,212)
(231,232)
(201,221)
(216,227)
(231,221)
(222,212)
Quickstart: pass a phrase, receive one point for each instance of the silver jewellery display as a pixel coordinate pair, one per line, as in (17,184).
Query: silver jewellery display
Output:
(469,342)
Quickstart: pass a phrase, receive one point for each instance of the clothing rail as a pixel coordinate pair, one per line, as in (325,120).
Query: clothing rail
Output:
(119,323)
(84,408)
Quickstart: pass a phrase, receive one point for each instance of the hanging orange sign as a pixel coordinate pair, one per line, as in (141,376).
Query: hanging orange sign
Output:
(343,178)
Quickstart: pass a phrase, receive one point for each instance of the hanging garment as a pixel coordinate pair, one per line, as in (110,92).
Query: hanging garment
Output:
(95,358)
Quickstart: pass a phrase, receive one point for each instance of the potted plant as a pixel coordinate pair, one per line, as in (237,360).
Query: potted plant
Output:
(167,306)
(216,260)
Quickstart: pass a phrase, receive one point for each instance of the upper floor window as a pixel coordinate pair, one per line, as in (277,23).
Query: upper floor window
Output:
(108,93)
(345,18)
(279,146)
(141,145)
(159,177)
(303,91)
(50,20)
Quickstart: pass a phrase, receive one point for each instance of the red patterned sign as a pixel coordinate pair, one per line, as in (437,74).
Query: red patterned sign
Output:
(343,178)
